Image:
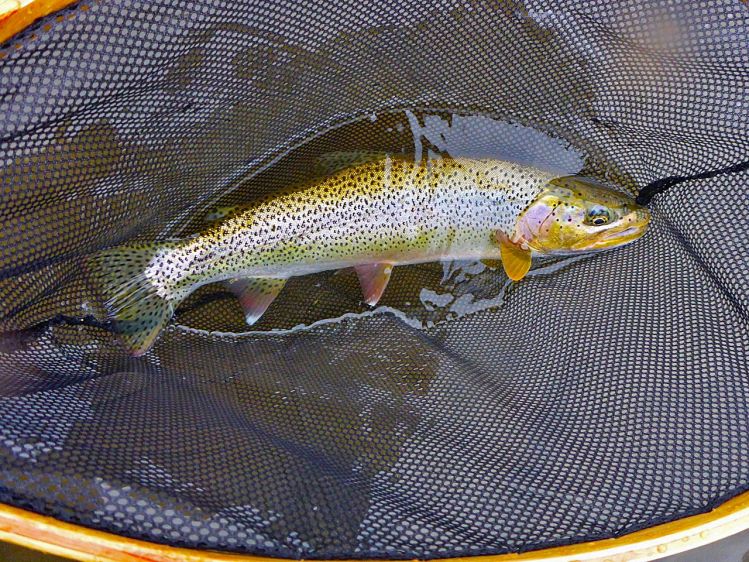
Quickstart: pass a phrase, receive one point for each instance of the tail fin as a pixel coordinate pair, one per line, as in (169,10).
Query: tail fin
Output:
(137,311)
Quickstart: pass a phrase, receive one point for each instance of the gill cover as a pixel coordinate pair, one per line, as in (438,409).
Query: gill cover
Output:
(575,215)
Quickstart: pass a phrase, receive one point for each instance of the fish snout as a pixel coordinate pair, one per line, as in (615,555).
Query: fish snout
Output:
(631,227)
(638,218)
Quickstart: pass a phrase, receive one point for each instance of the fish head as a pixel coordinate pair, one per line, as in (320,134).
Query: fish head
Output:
(575,215)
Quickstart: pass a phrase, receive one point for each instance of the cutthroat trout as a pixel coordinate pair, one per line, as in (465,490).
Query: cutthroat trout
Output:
(372,216)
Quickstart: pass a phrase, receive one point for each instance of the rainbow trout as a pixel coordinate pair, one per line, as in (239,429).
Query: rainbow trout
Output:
(371,216)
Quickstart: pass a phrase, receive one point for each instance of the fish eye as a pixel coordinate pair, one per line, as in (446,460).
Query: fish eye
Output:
(598,216)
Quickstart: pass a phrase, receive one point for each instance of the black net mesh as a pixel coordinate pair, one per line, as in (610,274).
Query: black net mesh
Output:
(466,414)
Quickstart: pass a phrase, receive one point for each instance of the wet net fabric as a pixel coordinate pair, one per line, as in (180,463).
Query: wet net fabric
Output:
(465,415)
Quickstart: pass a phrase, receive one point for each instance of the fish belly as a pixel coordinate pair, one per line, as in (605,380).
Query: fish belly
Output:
(392,211)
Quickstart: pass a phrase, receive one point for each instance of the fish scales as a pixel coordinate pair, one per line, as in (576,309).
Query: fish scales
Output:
(381,213)
(393,210)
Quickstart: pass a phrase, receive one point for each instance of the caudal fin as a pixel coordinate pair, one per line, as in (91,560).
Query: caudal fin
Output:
(137,311)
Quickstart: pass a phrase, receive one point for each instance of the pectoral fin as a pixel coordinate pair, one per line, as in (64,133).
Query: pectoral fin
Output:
(255,294)
(373,278)
(515,259)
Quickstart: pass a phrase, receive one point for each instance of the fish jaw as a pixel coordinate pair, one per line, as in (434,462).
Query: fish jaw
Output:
(579,217)
(633,227)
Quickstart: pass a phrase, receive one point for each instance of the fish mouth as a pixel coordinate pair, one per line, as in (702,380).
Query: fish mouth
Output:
(633,226)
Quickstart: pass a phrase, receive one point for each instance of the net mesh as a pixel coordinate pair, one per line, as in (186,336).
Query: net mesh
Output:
(466,415)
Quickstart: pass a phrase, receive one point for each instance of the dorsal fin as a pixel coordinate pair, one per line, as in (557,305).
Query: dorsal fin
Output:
(332,162)
(217,214)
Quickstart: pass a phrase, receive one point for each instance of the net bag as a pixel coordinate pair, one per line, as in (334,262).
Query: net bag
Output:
(467,415)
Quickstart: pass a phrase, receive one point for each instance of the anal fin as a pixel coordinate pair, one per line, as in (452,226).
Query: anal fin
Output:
(255,294)
(373,279)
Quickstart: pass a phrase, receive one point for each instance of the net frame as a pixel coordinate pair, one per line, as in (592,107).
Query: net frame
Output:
(48,535)
(52,536)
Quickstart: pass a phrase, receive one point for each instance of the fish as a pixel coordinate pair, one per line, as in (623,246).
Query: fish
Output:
(372,216)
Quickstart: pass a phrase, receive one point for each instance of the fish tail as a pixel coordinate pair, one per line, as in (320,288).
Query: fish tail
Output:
(138,309)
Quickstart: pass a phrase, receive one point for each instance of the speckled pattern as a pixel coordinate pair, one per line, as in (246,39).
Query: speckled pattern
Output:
(391,211)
